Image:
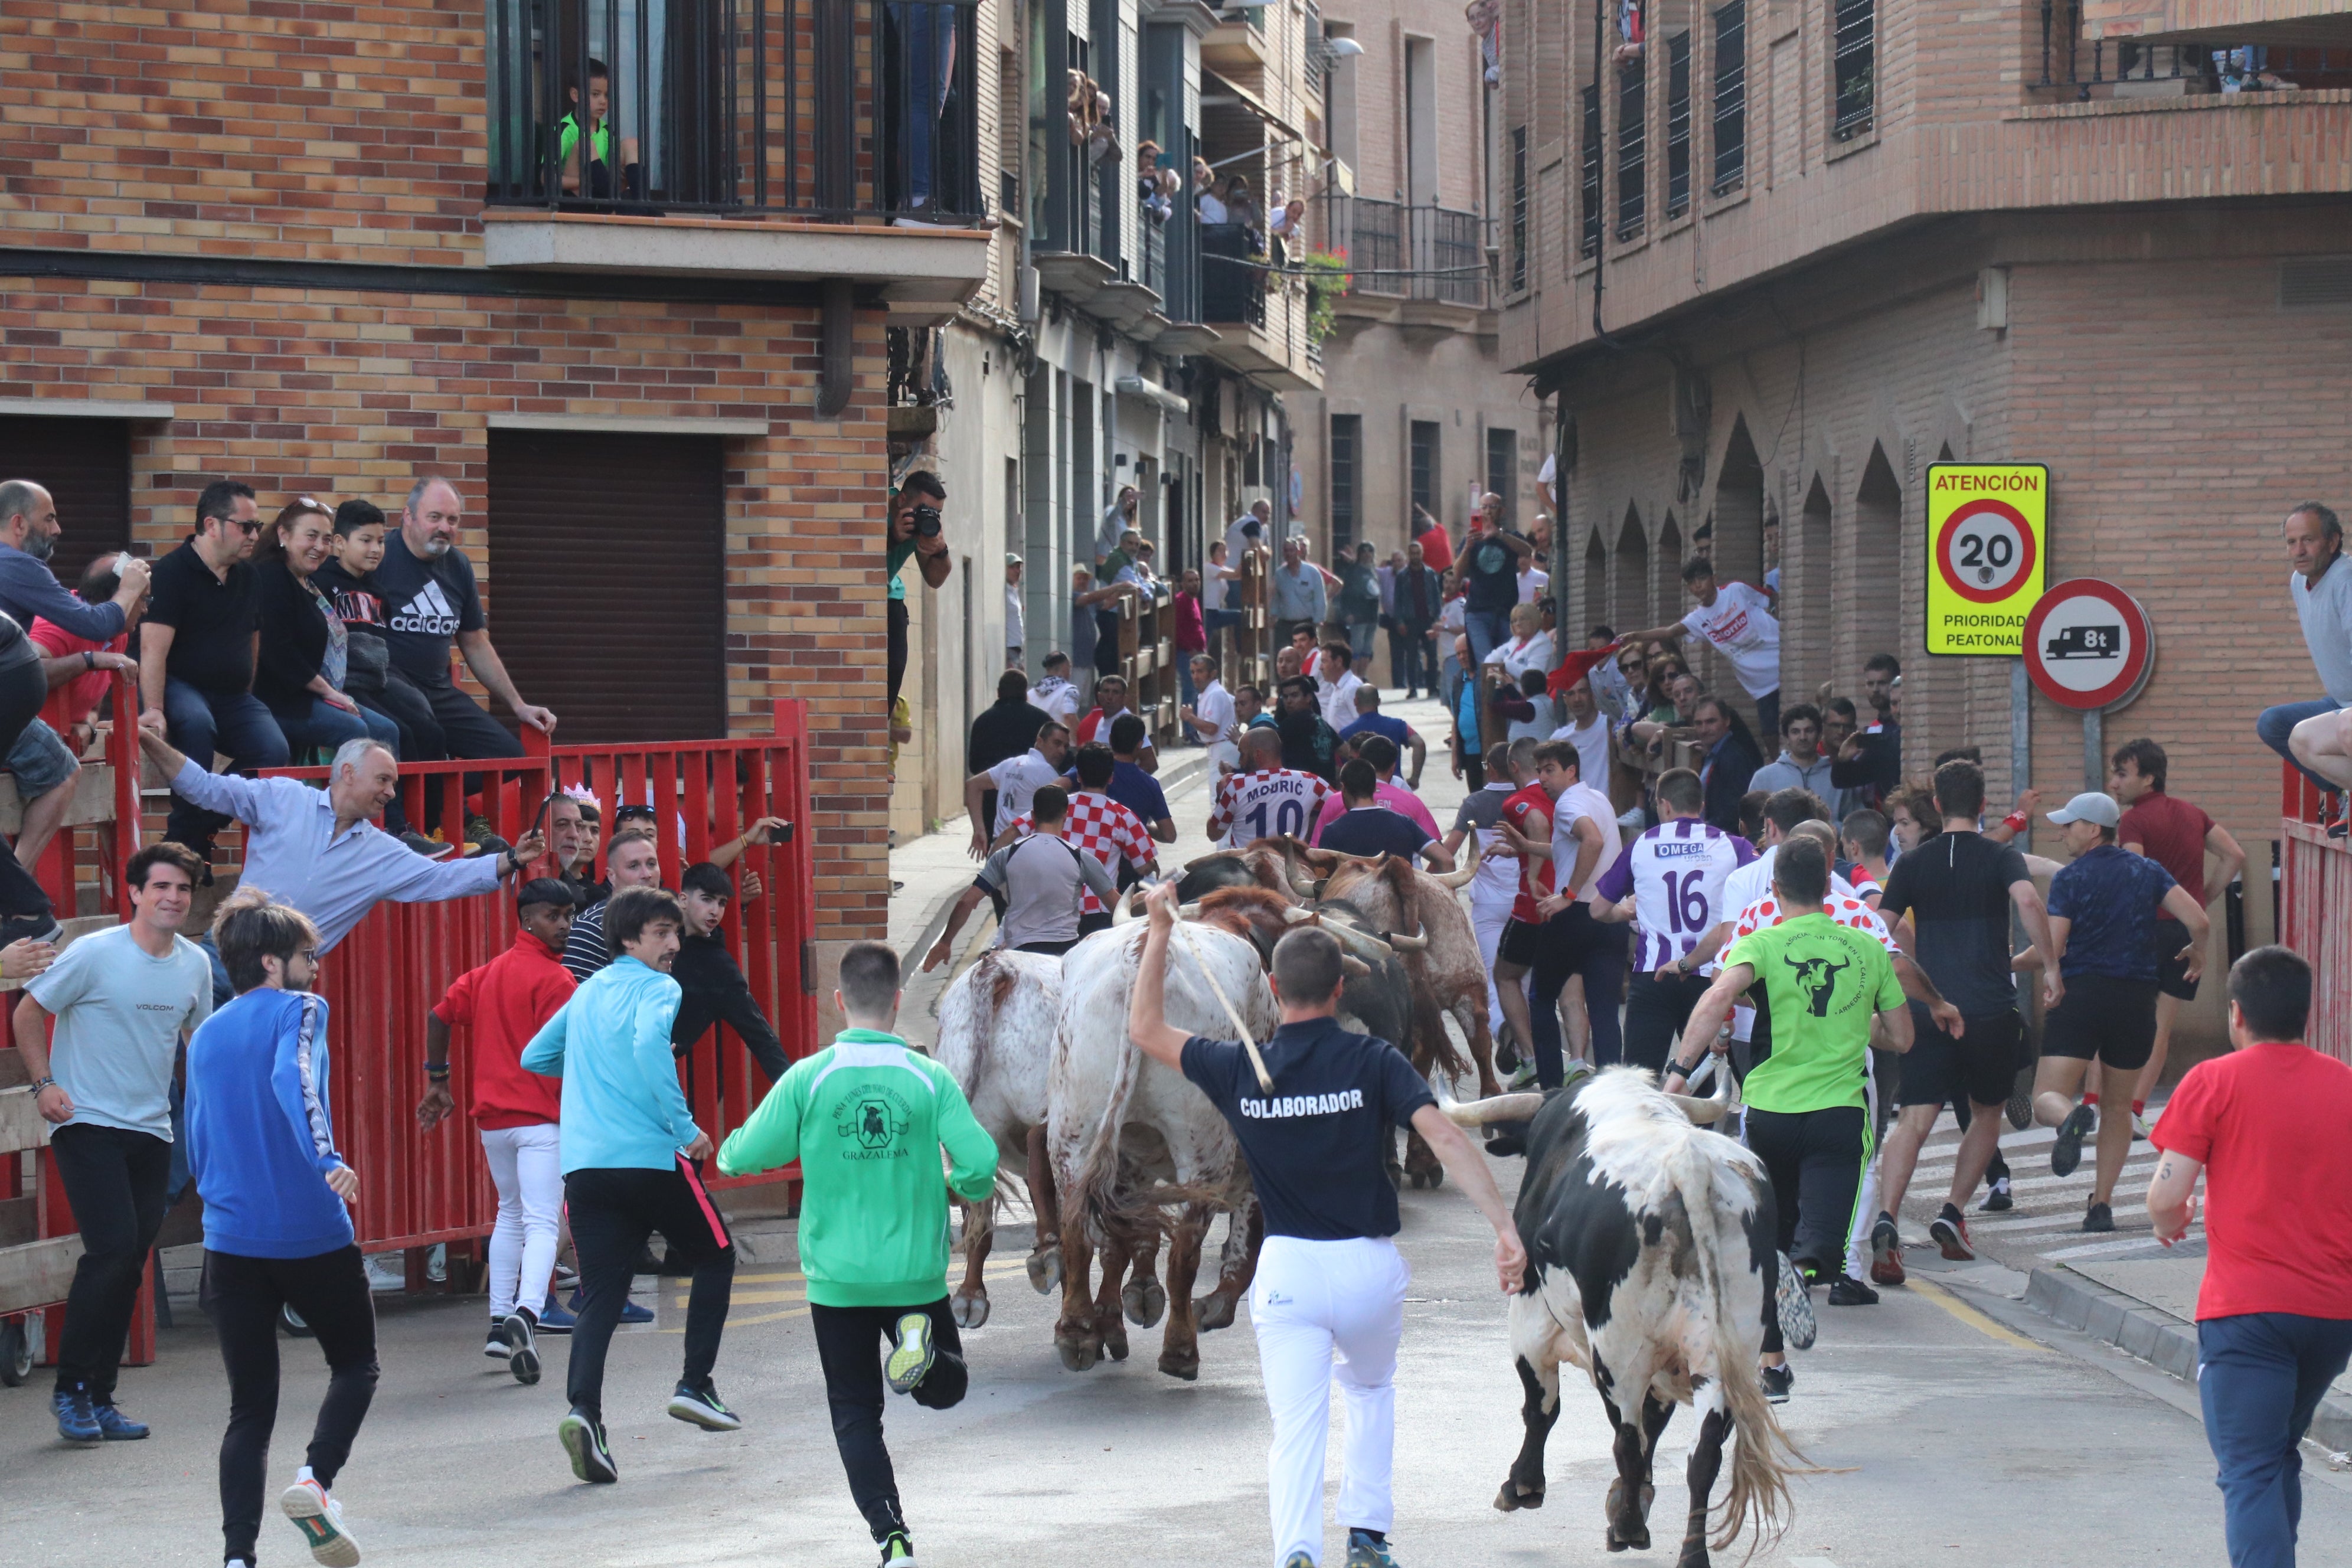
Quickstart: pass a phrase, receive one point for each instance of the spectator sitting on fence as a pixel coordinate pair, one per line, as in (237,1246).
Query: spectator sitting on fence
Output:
(299,838)
(370,678)
(304,653)
(1217,595)
(87,680)
(1094,620)
(714,989)
(632,859)
(1053,695)
(1110,703)
(596,182)
(1380,753)
(1248,531)
(1335,685)
(1529,646)
(1131,783)
(2311,734)
(1117,521)
(1370,720)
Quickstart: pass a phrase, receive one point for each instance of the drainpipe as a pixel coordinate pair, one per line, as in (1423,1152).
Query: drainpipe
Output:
(836,368)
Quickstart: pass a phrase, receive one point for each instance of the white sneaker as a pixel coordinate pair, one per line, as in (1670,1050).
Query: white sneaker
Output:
(387,1271)
(2139,1128)
(319,1518)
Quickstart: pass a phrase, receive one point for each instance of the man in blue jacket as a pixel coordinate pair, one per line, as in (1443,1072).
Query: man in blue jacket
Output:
(277,1227)
(633,1166)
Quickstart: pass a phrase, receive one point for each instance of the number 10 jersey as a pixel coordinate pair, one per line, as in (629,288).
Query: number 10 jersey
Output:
(1675,872)
(1265,805)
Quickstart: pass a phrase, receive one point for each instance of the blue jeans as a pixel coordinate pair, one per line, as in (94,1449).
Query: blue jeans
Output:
(2276,724)
(1488,630)
(1361,642)
(199,724)
(2259,1377)
(324,726)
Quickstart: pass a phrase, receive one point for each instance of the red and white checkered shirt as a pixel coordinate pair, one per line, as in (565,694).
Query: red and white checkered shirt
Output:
(1265,805)
(1104,829)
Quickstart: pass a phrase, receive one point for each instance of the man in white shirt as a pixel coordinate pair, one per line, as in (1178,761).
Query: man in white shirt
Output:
(1251,528)
(1054,694)
(1587,729)
(1334,686)
(1015,781)
(1013,616)
(1533,580)
(1491,890)
(1211,713)
(1266,800)
(1582,844)
(1737,621)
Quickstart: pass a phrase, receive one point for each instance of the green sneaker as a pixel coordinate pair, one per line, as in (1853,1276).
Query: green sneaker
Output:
(910,1359)
(1299,1559)
(898,1552)
(1363,1552)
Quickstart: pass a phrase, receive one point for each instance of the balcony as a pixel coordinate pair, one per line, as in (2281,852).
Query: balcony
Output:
(1413,265)
(2167,48)
(1260,317)
(770,138)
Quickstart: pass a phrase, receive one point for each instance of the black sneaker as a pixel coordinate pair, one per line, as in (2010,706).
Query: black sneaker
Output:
(520,1334)
(34,928)
(2099,1219)
(583,1437)
(2018,1107)
(1886,1251)
(1793,1299)
(1776,1381)
(910,1359)
(496,1347)
(1996,1198)
(703,1407)
(1846,1291)
(2067,1153)
(898,1552)
(1950,1229)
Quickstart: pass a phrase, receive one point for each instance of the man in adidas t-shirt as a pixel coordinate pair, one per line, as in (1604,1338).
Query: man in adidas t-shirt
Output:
(1265,799)
(427,586)
(1670,883)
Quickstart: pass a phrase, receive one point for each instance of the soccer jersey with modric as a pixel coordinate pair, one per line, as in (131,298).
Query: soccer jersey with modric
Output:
(1265,804)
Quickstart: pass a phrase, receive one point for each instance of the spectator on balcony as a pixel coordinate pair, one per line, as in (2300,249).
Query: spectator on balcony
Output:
(1150,188)
(1298,595)
(1191,634)
(1205,199)
(1241,207)
(914,531)
(1217,594)
(926,47)
(86,666)
(1053,693)
(304,656)
(1358,607)
(196,654)
(1014,616)
(1117,519)
(596,182)
(2307,733)
(370,678)
(1736,620)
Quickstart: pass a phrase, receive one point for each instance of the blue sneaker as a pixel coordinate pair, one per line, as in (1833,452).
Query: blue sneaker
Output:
(114,1425)
(630,1311)
(554,1319)
(76,1421)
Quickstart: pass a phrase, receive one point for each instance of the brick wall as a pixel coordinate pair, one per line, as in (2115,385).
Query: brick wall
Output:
(338,392)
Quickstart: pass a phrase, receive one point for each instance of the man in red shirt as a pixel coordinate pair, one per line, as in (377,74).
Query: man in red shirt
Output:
(502,1005)
(2175,836)
(2265,1124)
(1526,818)
(1436,549)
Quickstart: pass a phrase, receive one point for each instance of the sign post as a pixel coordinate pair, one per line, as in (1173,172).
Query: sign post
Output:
(1986,545)
(2089,645)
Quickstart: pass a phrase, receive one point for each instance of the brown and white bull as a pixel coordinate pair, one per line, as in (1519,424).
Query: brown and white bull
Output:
(1651,1264)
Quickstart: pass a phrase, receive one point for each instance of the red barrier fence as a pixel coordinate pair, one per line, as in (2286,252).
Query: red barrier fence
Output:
(2315,910)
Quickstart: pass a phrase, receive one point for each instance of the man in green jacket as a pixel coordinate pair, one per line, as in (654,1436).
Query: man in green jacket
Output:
(866,1118)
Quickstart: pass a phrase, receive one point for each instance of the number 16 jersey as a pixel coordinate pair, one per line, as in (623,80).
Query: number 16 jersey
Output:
(1265,805)
(1675,872)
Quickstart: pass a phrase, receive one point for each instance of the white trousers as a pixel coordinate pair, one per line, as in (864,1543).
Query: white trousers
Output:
(1323,1309)
(1487,923)
(1866,1201)
(528,1167)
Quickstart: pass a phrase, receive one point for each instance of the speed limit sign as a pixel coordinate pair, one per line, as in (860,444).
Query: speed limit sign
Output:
(1985,551)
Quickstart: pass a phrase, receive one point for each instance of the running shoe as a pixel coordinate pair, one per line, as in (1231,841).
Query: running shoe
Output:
(2139,1128)
(1847,1291)
(702,1407)
(1521,1077)
(496,1347)
(1950,1229)
(2020,1108)
(1886,1251)
(911,1358)
(1365,1551)
(114,1425)
(319,1518)
(566,1277)
(1507,1050)
(2099,1219)
(1793,1299)
(522,1359)
(75,1422)
(630,1311)
(583,1437)
(1997,1197)
(898,1552)
(1776,1381)
(554,1318)
(1299,1559)
(2067,1151)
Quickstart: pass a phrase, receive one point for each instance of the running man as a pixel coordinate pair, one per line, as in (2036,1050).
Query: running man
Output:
(123,1000)
(1264,800)
(1497,882)
(874,1226)
(1525,822)
(2104,907)
(1042,880)
(1571,944)
(1807,1111)
(501,1006)
(1670,883)
(278,1224)
(1099,827)
(633,1166)
(1949,902)
(1328,1279)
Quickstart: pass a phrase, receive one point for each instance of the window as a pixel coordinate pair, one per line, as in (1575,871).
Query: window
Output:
(1590,243)
(1851,71)
(1502,470)
(1519,208)
(1425,475)
(1346,449)
(1678,126)
(1730,97)
(1632,148)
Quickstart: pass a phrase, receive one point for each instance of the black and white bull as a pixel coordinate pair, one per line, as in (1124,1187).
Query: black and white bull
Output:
(1651,1264)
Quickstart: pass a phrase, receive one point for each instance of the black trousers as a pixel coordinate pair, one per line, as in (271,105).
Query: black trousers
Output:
(23,689)
(895,627)
(115,1181)
(1573,943)
(243,1297)
(1655,1011)
(613,1211)
(1815,1159)
(848,1346)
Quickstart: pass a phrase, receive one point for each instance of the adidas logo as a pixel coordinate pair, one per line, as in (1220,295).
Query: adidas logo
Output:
(427,614)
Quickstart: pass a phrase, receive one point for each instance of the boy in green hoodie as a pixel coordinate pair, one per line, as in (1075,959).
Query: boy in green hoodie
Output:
(866,1118)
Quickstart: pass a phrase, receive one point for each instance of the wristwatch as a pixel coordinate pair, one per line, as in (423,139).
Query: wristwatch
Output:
(39,1084)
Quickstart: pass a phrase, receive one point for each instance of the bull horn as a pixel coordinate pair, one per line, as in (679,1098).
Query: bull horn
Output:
(1304,889)
(1351,937)
(1354,968)
(1499,1108)
(1296,916)
(1191,912)
(1460,876)
(1123,910)
(1404,944)
(1701,1111)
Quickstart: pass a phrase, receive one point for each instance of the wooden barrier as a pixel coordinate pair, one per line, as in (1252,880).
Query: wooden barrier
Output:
(2315,910)
(1147,654)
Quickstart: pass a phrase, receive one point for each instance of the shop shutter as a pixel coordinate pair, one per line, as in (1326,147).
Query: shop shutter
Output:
(606,591)
(85,465)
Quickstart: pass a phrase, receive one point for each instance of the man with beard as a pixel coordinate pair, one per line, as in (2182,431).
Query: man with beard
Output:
(1309,744)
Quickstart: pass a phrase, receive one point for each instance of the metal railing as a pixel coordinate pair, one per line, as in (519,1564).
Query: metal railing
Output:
(1730,98)
(1678,124)
(1632,148)
(1852,67)
(836,110)
(2093,66)
(1232,288)
(1588,199)
(1155,249)
(1420,252)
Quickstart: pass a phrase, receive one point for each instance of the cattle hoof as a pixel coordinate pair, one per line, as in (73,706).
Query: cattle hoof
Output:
(1077,1354)
(1045,1270)
(969,1312)
(1418,1181)
(1513,1498)
(1215,1310)
(1143,1300)
(1636,1540)
(1175,1364)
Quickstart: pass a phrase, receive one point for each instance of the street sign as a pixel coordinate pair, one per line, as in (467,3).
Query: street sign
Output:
(2088,645)
(1985,548)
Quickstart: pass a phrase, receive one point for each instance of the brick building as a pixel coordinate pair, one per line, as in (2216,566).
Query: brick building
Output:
(1781,257)
(328,248)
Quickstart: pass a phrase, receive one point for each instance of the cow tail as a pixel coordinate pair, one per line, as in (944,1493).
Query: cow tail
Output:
(1762,1456)
(1096,1197)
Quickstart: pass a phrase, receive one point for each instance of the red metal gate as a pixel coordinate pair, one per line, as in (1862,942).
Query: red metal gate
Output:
(2315,912)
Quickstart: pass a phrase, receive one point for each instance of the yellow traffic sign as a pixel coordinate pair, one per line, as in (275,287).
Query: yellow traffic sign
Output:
(1987,547)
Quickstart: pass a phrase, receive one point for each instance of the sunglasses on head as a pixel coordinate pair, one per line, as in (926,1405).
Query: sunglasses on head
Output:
(634,814)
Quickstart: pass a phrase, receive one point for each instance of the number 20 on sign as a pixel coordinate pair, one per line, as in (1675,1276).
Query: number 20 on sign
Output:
(1986,544)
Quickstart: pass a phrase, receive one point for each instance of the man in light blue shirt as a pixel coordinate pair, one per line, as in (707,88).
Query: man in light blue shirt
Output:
(317,849)
(1298,595)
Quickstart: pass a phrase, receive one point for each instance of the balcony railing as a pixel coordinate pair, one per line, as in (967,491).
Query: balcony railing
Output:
(1154,230)
(1232,287)
(2125,69)
(835,110)
(1421,253)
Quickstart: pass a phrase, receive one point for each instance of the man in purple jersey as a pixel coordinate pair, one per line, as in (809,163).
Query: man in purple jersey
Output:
(1669,883)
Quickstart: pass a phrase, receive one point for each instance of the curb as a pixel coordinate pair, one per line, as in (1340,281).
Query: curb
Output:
(2155,1336)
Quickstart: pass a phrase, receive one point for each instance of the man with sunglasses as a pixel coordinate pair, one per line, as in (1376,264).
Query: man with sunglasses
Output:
(196,654)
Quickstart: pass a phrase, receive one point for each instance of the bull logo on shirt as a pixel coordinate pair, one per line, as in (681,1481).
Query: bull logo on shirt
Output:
(1817,981)
(875,1120)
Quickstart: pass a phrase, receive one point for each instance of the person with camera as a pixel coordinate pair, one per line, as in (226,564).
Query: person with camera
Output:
(915,531)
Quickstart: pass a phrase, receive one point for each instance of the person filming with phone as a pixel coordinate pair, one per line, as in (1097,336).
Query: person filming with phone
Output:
(917,531)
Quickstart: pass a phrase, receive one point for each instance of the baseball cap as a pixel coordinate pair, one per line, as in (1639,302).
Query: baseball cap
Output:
(1011,558)
(2089,806)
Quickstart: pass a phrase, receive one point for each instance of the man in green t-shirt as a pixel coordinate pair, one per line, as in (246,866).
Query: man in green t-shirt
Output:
(1825,983)
(866,1118)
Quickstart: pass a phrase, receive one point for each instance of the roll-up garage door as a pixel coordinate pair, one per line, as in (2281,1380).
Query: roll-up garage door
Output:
(606,590)
(85,465)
